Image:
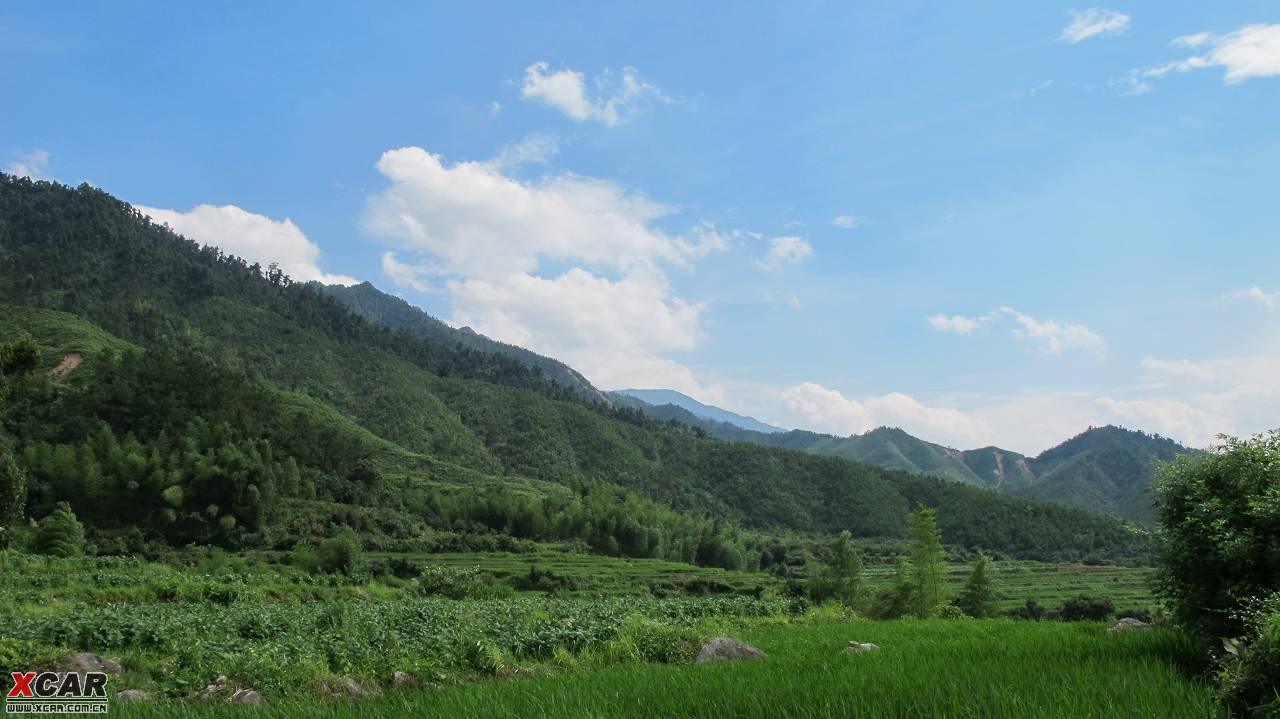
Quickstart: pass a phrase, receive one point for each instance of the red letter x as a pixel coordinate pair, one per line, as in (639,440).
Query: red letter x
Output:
(21,685)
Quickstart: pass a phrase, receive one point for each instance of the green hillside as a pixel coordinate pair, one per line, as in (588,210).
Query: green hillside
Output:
(260,411)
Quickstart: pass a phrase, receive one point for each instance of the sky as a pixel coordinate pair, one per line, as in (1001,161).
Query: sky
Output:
(985,223)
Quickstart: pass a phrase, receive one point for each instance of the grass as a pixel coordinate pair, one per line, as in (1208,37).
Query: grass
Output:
(933,668)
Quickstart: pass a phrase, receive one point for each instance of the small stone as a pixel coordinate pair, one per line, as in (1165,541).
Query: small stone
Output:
(129,696)
(858,648)
(726,649)
(402,680)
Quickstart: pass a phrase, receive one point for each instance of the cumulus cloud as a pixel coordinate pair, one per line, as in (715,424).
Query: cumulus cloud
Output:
(1251,52)
(827,410)
(1269,300)
(847,222)
(404,274)
(785,251)
(1094,22)
(32,164)
(1053,337)
(569,266)
(253,237)
(566,91)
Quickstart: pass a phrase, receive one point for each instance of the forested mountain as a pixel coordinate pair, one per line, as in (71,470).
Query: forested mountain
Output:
(377,306)
(660,397)
(204,399)
(1105,469)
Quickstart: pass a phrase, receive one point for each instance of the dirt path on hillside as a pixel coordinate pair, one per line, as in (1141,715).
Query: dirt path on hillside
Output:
(69,362)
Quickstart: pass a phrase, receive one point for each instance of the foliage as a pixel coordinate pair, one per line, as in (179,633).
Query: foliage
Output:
(1220,532)
(840,575)
(1085,608)
(340,553)
(978,598)
(1250,679)
(928,563)
(60,534)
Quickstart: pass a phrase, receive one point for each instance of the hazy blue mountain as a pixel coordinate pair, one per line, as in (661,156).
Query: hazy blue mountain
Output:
(659,397)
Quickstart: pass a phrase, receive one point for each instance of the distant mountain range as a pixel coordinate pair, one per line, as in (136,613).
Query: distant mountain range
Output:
(1108,469)
(659,397)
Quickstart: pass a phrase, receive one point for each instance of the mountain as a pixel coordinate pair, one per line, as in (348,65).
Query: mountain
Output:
(660,397)
(203,399)
(1109,469)
(381,308)
(1104,469)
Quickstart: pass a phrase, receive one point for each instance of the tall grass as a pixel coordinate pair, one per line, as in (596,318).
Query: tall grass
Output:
(924,669)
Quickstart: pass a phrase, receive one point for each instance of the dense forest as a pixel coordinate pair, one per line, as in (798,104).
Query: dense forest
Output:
(220,402)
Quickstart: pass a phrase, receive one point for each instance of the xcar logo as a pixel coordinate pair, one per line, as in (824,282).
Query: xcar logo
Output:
(55,693)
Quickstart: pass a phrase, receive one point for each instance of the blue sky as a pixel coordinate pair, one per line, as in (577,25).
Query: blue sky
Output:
(991,224)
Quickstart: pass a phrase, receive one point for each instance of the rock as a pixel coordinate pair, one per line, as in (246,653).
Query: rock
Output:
(857,648)
(726,649)
(344,687)
(403,681)
(213,688)
(245,696)
(86,662)
(1128,624)
(129,696)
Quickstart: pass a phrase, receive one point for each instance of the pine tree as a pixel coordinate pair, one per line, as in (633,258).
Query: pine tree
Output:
(928,562)
(978,598)
(60,534)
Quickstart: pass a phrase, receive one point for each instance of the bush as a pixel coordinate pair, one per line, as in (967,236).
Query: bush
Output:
(1251,675)
(1219,522)
(1142,614)
(1031,610)
(60,534)
(1084,608)
(340,554)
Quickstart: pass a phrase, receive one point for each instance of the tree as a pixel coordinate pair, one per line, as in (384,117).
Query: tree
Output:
(978,598)
(340,553)
(928,562)
(840,577)
(13,496)
(60,534)
(1219,532)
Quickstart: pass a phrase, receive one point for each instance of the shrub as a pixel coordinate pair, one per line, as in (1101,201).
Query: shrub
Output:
(1219,522)
(978,598)
(1031,610)
(1084,608)
(340,553)
(1251,675)
(60,534)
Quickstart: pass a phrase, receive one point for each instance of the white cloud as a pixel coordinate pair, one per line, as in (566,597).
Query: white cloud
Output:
(784,251)
(604,305)
(253,237)
(1270,300)
(1094,22)
(1052,336)
(827,410)
(1251,52)
(404,274)
(31,164)
(536,148)
(847,222)
(957,324)
(566,91)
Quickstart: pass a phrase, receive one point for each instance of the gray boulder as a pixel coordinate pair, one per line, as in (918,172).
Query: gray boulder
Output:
(245,696)
(726,649)
(130,696)
(1128,624)
(86,662)
(400,680)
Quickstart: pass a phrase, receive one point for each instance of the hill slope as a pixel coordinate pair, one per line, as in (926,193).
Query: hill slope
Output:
(259,411)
